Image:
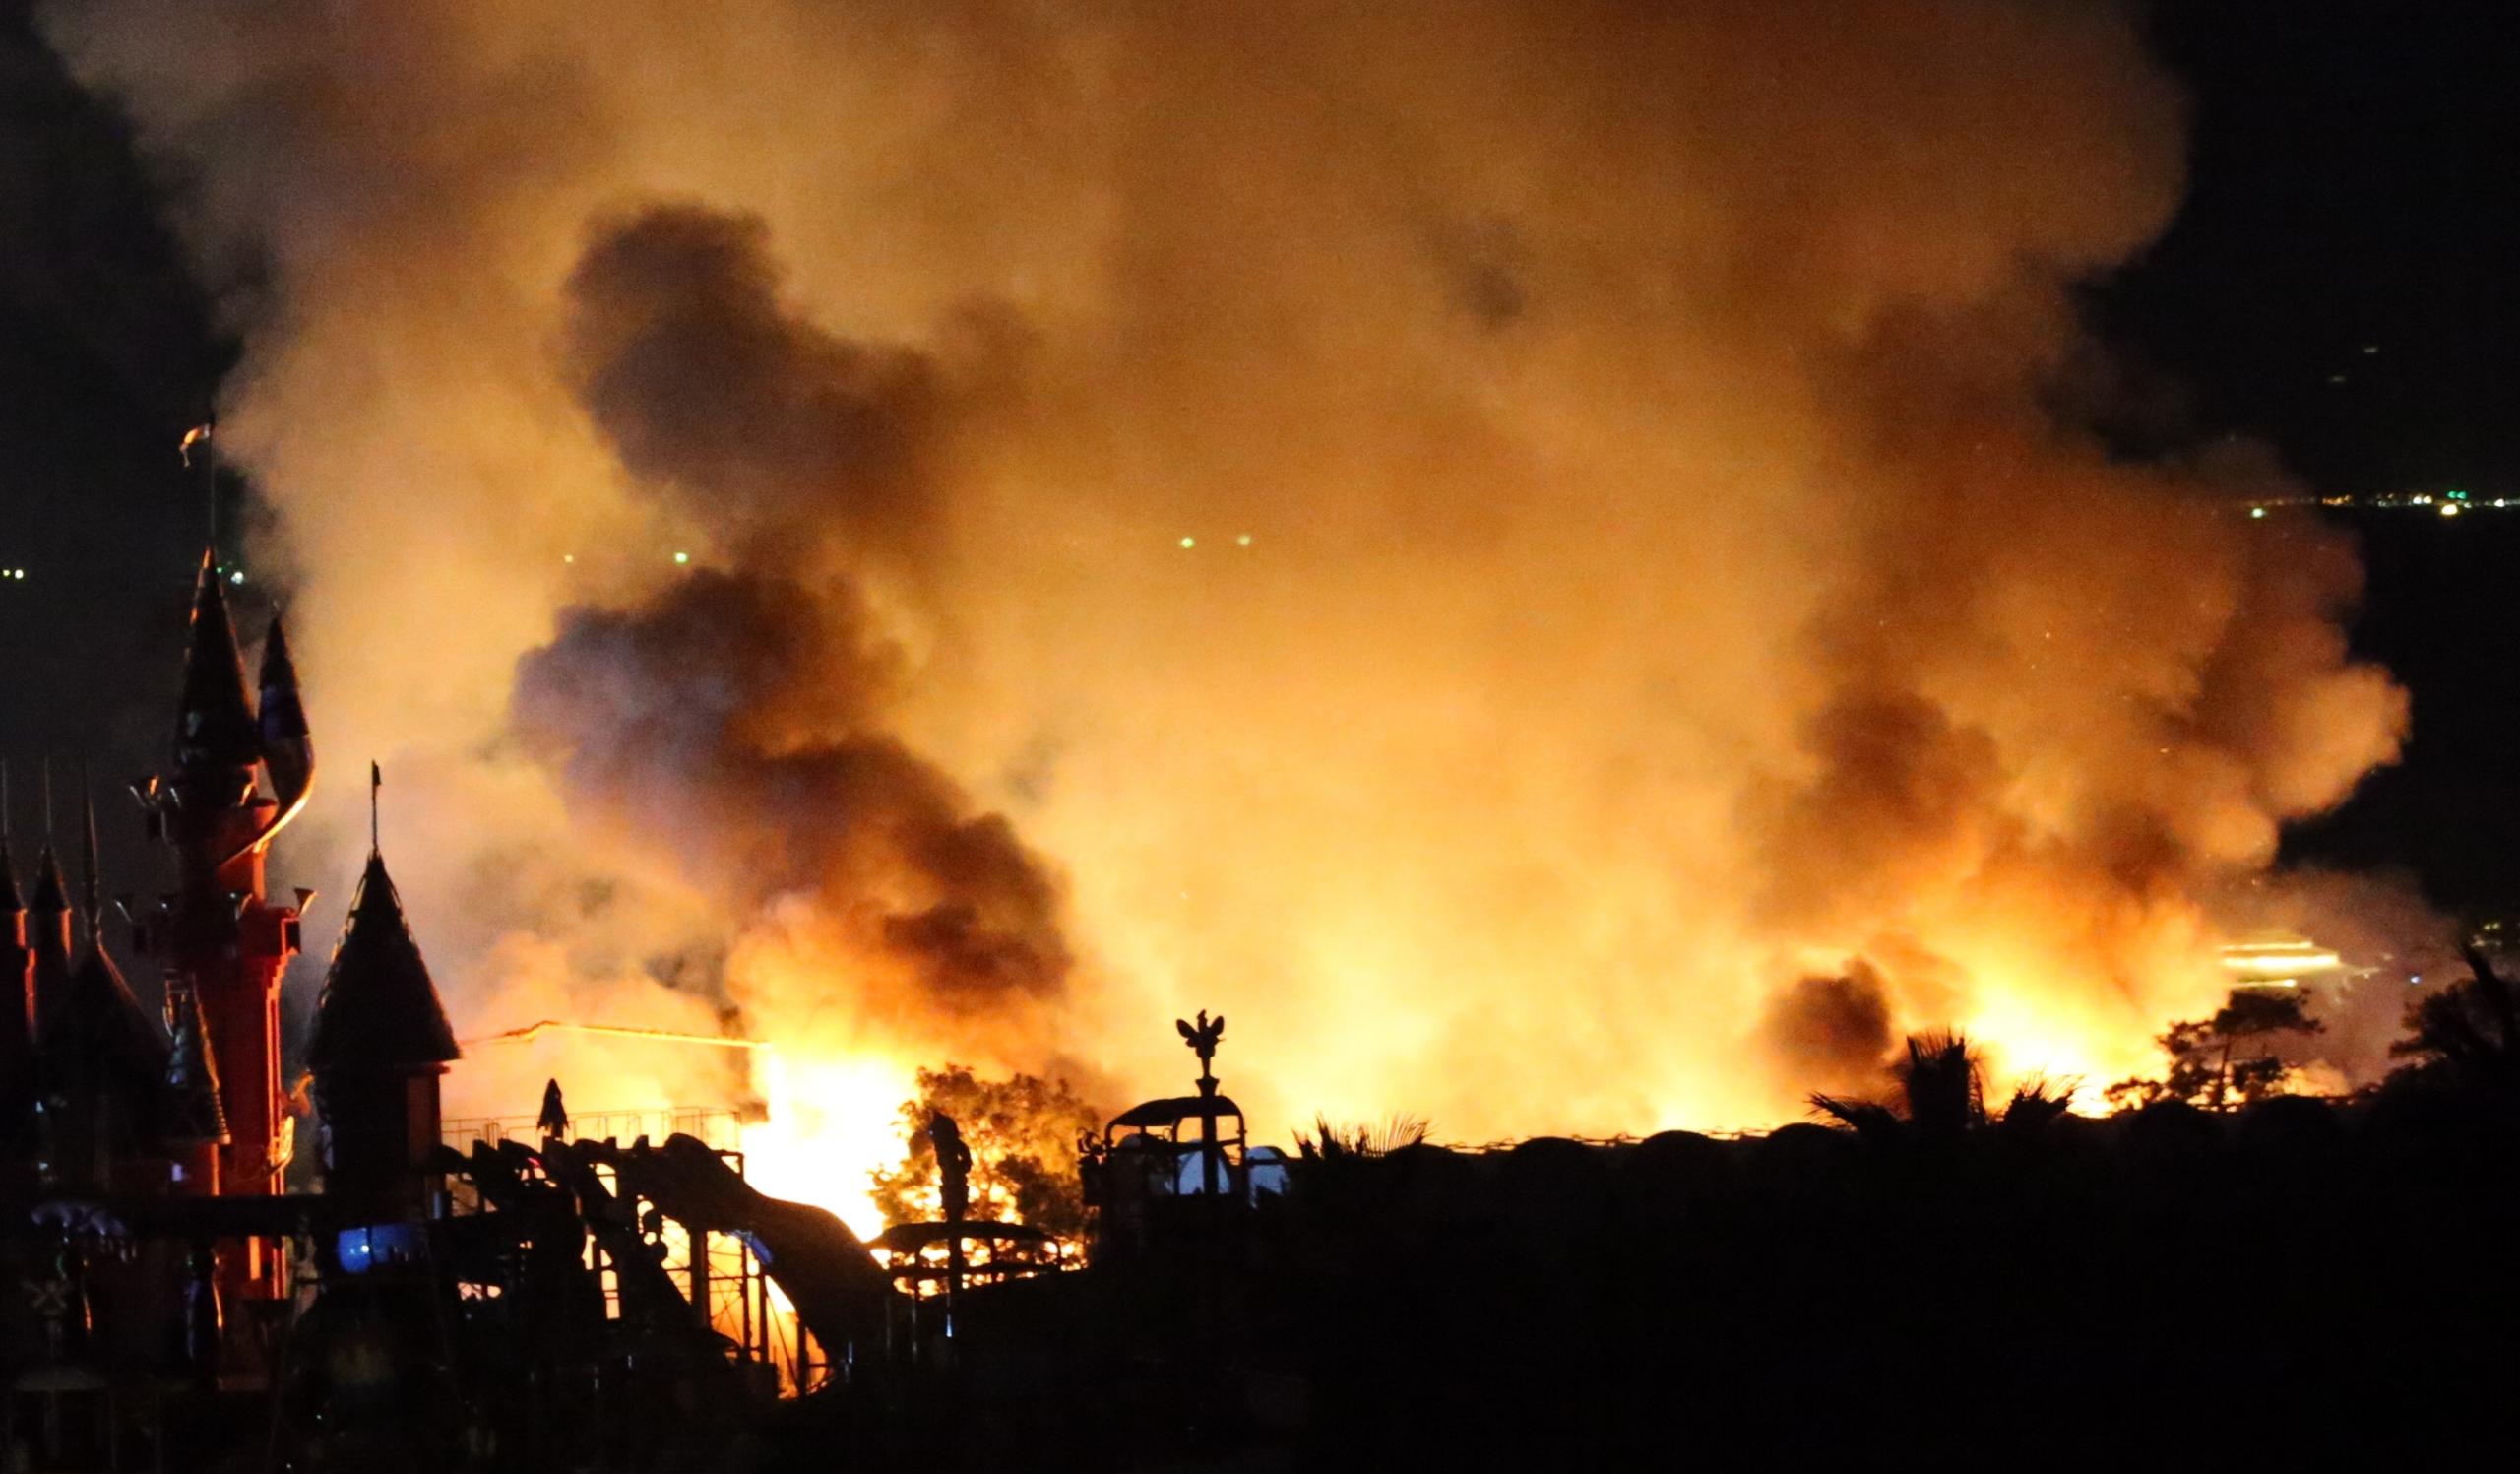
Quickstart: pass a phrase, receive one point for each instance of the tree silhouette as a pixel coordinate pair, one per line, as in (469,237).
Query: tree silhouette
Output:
(2468,1033)
(1942,1095)
(2231,1055)
(1332,1141)
(1022,1132)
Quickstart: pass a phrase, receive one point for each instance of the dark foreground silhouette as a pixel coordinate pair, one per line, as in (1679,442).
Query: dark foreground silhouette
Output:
(2169,1285)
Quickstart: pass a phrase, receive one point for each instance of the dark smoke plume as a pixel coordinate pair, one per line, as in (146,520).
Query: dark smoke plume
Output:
(1831,1033)
(763,427)
(740,717)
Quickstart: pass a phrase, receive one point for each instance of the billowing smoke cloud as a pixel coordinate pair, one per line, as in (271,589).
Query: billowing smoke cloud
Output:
(678,723)
(1488,541)
(743,715)
(1831,1033)
(780,437)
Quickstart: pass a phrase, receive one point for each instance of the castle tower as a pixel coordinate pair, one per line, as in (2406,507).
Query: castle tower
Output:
(17,998)
(104,1068)
(17,980)
(50,958)
(97,1058)
(381,1043)
(222,936)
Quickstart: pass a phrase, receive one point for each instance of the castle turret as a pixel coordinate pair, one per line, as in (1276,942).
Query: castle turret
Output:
(222,936)
(49,943)
(288,753)
(101,1060)
(17,995)
(104,1092)
(381,1043)
(218,741)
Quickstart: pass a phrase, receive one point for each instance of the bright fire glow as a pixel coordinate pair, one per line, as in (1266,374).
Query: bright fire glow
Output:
(831,1123)
(1690,648)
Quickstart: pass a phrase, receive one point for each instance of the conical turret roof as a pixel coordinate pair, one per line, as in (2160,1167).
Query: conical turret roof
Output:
(216,725)
(379,1010)
(105,1040)
(52,893)
(12,901)
(284,714)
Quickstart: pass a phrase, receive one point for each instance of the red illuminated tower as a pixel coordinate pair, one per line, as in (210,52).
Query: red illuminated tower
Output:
(49,941)
(17,996)
(236,780)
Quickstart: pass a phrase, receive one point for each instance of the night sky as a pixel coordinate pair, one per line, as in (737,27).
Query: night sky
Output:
(2339,284)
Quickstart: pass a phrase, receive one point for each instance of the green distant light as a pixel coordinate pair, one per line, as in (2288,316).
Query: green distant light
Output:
(682,557)
(2257,512)
(1190,542)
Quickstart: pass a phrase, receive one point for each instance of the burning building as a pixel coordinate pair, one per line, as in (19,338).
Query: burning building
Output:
(427,1307)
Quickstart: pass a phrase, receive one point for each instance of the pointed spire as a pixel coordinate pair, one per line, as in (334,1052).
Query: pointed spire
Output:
(92,908)
(379,1010)
(216,725)
(12,903)
(52,893)
(195,1112)
(283,715)
(288,753)
(99,1037)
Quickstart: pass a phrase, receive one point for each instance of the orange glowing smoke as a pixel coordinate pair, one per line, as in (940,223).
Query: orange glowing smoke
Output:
(1539,554)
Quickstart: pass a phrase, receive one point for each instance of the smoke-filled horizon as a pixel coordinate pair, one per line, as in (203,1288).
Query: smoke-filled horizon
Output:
(1535,555)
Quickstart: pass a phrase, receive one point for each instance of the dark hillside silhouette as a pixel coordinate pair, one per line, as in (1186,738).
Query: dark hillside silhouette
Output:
(1927,1276)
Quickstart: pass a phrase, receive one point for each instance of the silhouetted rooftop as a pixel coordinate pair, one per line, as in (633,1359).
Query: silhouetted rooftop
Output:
(379,1009)
(52,893)
(215,725)
(103,1039)
(284,717)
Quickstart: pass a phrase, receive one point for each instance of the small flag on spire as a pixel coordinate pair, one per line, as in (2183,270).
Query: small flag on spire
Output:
(192,437)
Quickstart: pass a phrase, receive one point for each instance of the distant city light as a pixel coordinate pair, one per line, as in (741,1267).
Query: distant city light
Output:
(682,557)
(2451,509)
(1189,542)
(2257,511)
(1243,541)
(237,577)
(568,558)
